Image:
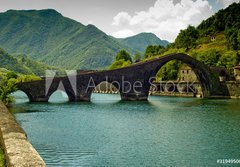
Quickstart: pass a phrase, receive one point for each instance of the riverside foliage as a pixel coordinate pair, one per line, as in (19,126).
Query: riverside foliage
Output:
(8,83)
(2,161)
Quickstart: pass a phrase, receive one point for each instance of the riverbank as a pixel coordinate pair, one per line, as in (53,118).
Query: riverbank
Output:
(18,151)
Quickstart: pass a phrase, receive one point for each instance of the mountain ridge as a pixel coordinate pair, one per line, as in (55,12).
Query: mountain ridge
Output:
(47,36)
(140,41)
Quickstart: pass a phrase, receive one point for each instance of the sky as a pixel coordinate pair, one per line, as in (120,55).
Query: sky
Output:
(123,18)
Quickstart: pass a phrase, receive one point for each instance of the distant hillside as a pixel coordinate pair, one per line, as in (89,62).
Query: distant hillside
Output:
(140,41)
(21,64)
(47,36)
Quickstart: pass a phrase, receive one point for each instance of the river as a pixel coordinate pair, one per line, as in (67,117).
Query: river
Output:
(164,131)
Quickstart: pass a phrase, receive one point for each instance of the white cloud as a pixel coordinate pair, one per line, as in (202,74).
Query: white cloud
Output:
(226,3)
(121,18)
(123,33)
(166,18)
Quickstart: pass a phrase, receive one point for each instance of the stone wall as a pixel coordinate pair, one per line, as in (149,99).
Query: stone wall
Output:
(234,89)
(17,149)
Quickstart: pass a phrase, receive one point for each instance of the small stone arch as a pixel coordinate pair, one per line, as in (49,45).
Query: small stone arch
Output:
(58,91)
(68,93)
(105,87)
(29,96)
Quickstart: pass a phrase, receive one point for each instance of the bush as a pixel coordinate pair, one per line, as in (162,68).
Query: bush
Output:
(228,60)
(8,85)
(210,57)
(122,54)
(154,50)
(119,64)
(187,38)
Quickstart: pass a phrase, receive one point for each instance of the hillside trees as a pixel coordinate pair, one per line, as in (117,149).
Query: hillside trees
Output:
(122,54)
(187,38)
(227,21)
(154,50)
(123,59)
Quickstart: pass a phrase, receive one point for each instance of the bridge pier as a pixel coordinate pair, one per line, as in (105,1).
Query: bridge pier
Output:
(134,97)
(80,99)
(39,99)
(81,96)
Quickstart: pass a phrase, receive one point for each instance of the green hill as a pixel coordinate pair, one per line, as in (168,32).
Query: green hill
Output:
(215,42)
(140,41)
(21,64)
(219,34)
(47,36)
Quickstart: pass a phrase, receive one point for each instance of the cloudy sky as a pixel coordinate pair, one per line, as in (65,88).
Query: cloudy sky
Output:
(125,18)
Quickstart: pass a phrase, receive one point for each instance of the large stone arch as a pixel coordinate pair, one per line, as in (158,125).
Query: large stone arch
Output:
(209,82)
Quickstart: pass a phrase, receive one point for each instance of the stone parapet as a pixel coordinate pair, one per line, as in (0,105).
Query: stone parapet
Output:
(17,149)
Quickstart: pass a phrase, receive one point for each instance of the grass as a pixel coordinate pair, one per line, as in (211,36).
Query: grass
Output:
(2,161)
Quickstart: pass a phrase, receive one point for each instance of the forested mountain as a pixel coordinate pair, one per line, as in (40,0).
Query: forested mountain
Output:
(140,41)
(47,36)
(21,64)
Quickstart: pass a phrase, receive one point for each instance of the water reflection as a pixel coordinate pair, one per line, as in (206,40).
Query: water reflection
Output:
(163,131)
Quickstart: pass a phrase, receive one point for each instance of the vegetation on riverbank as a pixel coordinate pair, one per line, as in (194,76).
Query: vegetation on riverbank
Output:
(2,161)
(8,83)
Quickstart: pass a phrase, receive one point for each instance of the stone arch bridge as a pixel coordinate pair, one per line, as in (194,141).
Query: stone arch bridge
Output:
(133,82)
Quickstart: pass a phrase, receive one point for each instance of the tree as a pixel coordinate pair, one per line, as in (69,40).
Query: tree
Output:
(187,38)
(228,60)
(209,57)
(119,64)
(122,59)
(7,86)
(238,39)
(122,54)
(169,71)
(154,50)
(137,57)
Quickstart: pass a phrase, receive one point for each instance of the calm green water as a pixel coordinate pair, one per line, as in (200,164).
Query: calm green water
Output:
(164,131)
